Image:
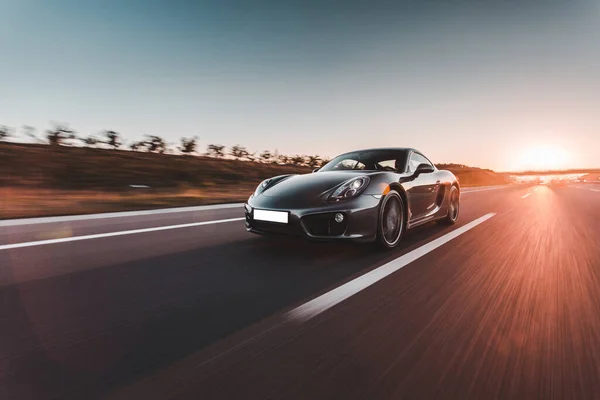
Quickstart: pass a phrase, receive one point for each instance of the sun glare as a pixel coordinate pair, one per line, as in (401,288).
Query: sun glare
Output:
(544,157)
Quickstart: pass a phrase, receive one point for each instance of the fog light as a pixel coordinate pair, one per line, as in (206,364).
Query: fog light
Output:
(338,217)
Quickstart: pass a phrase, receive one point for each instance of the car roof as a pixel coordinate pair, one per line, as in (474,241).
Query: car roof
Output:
(407,149)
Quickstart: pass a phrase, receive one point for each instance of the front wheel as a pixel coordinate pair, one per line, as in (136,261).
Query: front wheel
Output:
(453,206)
(390,226)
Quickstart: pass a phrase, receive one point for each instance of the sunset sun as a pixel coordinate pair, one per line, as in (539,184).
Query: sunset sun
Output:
(543,157)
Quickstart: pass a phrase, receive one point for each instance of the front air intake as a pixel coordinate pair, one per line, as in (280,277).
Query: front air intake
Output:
(325,224)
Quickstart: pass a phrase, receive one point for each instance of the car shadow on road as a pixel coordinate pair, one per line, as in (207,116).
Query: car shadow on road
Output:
(301,248)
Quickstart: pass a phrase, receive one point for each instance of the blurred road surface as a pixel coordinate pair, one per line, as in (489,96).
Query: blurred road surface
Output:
(186,304)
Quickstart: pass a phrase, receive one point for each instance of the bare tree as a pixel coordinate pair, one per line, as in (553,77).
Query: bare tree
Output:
(239,152)
(5,132)
(91,141)
(188,145)
(265,156)
(283,159)
(216,150)
(313,161)
(298,159)
(59,134)
(113,139)
(155,144)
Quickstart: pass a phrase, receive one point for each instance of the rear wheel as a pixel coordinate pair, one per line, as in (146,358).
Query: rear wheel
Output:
(390,226)
(453,206)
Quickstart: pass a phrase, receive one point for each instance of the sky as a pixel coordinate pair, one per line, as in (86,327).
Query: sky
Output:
(500,84)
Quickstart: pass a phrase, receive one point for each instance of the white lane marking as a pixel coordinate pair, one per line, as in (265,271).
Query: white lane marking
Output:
(469,190)
(45,220)
(526,195)
(341,293)
(110,234)
(595,190)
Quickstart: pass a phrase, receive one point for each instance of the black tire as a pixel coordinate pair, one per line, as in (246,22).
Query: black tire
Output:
(453,207)
(391,222)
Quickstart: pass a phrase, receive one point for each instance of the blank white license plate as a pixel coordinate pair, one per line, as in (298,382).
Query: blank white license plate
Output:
(271,216)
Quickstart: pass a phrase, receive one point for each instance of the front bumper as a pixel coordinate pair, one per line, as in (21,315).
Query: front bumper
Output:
(318,222)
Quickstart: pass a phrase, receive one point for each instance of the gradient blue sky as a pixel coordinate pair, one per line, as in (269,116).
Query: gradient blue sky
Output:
(498,84)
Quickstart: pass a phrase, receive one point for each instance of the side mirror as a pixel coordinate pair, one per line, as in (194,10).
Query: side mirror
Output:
(316,169)
(423,169)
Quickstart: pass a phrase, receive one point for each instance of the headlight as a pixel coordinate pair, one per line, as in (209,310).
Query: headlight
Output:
(261,187)
(351,188)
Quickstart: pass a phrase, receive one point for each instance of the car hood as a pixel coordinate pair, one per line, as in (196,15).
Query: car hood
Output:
(310,185)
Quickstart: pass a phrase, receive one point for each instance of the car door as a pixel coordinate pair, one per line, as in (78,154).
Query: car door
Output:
(424,188)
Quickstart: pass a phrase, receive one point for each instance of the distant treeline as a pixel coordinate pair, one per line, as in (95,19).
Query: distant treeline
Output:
(63,135)
(63,158)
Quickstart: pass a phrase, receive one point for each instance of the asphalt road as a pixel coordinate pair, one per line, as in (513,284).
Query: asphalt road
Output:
(504,307)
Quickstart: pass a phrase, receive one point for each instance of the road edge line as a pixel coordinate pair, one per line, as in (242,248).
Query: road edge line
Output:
(111,234)
(120,214)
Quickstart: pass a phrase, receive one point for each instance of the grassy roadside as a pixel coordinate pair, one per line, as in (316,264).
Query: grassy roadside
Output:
(38,180)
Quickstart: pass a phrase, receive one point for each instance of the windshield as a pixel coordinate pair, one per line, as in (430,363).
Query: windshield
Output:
(369,160)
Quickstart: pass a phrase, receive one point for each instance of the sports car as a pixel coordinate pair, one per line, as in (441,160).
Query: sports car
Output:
(370,195)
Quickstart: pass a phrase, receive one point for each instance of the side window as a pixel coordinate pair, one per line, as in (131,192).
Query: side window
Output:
(389,164)
(415,160)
